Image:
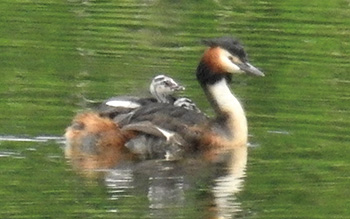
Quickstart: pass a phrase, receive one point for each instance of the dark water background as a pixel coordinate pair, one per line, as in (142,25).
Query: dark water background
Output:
(54,53)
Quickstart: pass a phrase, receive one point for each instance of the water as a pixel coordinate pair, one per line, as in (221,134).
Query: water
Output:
(54,53)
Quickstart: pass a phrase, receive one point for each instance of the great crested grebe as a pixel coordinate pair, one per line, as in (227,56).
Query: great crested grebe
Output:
(96,142)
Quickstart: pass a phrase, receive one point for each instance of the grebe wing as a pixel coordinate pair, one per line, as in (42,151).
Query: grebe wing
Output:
(127,102)
(158,113)
(117,106)
(154,142)
(146,127)
(164,130)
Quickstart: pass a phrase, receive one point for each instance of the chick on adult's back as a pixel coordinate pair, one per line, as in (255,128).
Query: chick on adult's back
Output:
(187,131)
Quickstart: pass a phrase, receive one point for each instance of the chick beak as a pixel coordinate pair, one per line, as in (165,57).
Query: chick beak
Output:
(179,88)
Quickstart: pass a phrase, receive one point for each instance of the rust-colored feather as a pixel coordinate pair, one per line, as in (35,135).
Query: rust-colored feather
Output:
(212,59)
(95,142)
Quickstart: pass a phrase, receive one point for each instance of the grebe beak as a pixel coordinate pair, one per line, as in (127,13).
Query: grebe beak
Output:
(250,69)
(179,88)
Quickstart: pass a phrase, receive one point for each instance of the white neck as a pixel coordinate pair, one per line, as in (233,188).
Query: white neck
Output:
(228,105)
(161,98)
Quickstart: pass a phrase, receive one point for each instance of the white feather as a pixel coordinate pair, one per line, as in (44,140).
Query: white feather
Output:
(123,103)
(227,64)
(167,134)
(228,103)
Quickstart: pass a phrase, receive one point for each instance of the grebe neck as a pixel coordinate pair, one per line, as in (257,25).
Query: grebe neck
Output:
(230,113)
(161,98)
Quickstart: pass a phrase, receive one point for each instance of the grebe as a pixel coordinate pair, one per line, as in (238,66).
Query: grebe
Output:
(186,103)
(180,129)
(162,88)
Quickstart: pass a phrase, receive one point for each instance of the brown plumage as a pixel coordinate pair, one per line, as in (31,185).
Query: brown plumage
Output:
(94,142)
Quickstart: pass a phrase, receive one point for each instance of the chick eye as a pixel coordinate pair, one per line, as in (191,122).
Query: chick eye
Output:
(167,83)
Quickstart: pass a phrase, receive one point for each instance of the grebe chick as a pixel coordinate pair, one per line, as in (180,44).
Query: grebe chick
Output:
(188,131)
(186,103)
(162,88)
(159,89)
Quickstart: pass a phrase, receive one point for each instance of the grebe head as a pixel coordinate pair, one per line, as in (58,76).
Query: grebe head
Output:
(163,86)
(226,55)
(186,103)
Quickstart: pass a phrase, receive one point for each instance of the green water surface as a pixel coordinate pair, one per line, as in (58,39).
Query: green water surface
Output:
(54,53)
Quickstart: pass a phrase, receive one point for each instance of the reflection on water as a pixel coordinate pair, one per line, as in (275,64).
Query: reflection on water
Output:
(10,154)
(168,186)
(225,189)
(38,139)
(119,181)
(59,140)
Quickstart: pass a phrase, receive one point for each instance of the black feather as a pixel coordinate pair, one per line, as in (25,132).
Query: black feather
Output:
(206,76)
(230,44)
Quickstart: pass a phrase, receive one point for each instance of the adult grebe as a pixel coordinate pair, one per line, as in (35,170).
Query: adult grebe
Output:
(91,136)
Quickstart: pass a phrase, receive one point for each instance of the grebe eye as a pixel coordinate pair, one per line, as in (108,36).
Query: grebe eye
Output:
(234,59)
(167,83)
